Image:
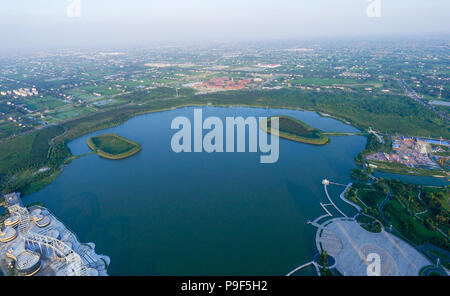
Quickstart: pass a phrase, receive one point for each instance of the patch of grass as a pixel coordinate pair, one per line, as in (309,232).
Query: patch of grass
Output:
(293,129)
(369,223)
(325,81)
(9,128)
(411,228)
(71,112)
(371,198)
(38,104)
(113,146)
(359,175)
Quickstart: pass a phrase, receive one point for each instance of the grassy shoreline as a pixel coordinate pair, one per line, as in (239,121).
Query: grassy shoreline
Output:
(321,140)
(114,141)
(405,170)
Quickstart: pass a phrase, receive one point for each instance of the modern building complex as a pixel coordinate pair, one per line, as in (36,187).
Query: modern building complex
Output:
(34,242)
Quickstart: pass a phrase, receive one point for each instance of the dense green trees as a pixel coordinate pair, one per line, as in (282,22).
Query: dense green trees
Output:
(372,145)
(359,175)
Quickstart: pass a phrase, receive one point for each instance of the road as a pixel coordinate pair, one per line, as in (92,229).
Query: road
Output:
(413,95)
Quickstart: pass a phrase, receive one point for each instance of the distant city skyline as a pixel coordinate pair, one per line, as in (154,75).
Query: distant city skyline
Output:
(30,24)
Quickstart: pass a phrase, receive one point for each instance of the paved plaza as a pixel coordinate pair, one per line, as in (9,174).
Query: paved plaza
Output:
(350,245)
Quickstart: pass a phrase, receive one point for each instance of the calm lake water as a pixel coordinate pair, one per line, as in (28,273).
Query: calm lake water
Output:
(163,213)
(429,181)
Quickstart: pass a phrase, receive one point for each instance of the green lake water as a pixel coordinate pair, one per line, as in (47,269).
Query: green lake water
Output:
(163,213)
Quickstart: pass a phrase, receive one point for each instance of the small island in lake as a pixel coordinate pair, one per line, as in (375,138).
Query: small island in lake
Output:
(112,146)
(293,129)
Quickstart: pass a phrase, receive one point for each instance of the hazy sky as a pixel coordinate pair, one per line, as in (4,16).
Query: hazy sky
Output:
(46,23)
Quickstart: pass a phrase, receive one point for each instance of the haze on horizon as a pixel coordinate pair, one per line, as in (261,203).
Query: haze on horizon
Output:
(38,24)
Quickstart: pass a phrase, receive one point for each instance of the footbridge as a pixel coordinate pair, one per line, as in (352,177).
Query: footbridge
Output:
(324,206)
(325,183)
(303,266)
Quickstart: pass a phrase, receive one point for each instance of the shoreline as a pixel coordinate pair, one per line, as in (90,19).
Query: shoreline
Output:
(137,147)
(46,180)
(298,139)
(67,137)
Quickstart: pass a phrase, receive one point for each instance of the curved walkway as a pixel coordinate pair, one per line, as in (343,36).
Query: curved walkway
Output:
(303,266)
(325,185)
(342,196)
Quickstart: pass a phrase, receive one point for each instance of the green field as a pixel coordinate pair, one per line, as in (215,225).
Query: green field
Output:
(70,112)
(8,128)
(359,175)
(401,209)
(113,146)
(38,104)
(103,90)
(348,82)
(371,198)
(87,92)
(369,223)
(80,94)
(293,129)
(412,228)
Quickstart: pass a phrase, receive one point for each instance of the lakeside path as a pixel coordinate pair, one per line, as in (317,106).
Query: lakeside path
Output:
(342,196)
(316,266)
(325,183)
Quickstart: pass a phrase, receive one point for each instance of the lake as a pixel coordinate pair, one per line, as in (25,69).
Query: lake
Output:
(165,213)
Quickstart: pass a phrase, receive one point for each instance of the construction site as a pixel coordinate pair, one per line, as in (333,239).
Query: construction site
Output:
(34,242)
(414,153)
(222,83)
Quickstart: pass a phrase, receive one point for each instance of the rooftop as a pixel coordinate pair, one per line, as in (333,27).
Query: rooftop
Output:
(12,199)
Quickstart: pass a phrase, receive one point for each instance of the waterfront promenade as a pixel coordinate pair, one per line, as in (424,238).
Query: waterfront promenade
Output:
(353,247)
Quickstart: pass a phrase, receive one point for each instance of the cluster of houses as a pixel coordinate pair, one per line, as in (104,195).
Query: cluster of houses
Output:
(225,83)
(21,92)
(408,151)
